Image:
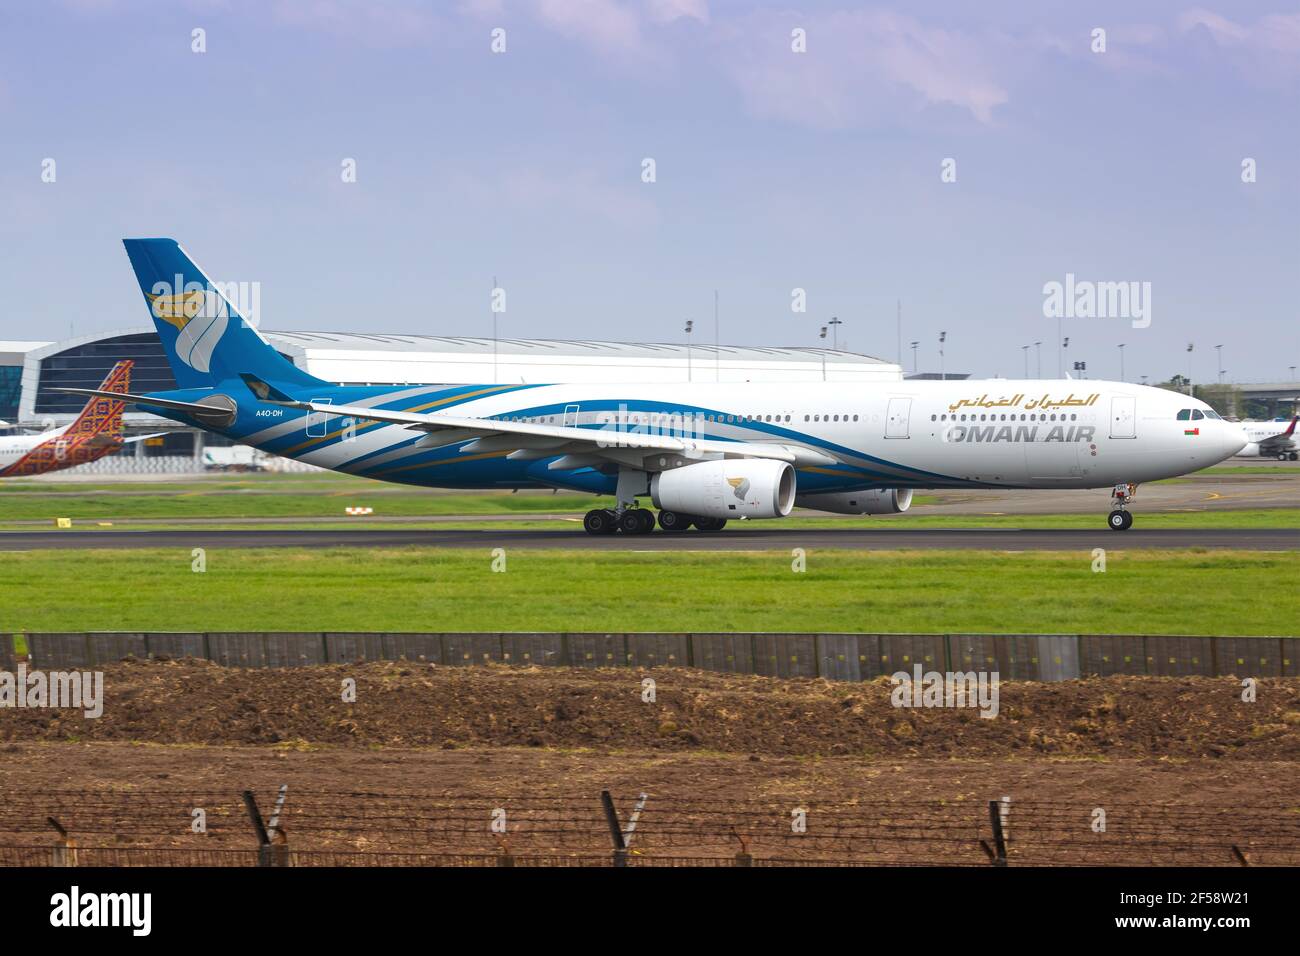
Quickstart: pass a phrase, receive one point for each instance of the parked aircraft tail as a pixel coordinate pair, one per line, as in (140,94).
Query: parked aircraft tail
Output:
(102,416)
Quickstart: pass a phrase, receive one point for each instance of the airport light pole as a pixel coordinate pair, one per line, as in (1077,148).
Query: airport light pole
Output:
(690,325)
(1219,350)
(1121,361)
(1190,389)
(1061,343)
(823,338)
(914,369)
(943,375)
(1024,350)
(1038,351)
(835,332)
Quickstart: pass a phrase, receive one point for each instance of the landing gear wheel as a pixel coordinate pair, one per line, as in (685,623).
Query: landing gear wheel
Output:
(1120,520)
(637,521)
(1294,456)
(710,524)
(672,521)
(599,521)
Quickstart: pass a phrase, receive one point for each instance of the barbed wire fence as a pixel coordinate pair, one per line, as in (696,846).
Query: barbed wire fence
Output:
(359,828)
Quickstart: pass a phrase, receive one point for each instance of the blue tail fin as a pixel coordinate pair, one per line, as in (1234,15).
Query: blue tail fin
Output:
(206,339)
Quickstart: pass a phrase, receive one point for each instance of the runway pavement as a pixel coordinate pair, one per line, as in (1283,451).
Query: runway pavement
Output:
(742,539)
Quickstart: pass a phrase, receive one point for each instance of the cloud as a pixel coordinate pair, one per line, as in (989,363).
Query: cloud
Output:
(1267,50)
(380,23)
(604,25)
(1221,28)
(856,65)
(666,11)
(618,28)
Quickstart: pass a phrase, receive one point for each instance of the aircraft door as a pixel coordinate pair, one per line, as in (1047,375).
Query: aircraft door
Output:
(317,421)
(1123,417)
(571,416)
(897,418)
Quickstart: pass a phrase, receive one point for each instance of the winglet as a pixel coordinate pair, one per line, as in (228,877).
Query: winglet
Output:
(267,392)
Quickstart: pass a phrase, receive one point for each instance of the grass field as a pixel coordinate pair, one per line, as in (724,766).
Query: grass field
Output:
(1192,592)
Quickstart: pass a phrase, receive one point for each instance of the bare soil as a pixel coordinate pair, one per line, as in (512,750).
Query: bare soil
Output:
(722,758)
(427,705)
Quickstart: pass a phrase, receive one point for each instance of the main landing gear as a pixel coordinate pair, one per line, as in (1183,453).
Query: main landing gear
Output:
(642,521)
(1119,519)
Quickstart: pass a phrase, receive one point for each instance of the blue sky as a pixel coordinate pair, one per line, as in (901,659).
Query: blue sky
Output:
(775,170)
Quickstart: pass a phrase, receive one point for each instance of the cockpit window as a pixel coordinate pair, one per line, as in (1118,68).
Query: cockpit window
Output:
(1211,413)
(1185,414)
(1196,415)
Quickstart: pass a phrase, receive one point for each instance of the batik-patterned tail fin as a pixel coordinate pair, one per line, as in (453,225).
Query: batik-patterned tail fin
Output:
(103,416)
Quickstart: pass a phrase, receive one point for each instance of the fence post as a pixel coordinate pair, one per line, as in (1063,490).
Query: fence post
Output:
(504,858)
(272,850)
(615,829)
(999,843)
(744,857)
(66,855)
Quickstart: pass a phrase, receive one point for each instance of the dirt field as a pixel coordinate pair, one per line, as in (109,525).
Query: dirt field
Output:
(418,763)
(426,705)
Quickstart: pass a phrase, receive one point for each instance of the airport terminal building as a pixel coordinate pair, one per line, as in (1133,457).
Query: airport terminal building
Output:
(31,371)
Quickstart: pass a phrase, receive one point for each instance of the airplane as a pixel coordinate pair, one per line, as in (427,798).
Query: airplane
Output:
(96,432)
(702,453)
(1269,440)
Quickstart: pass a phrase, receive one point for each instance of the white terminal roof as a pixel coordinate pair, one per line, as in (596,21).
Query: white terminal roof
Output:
(395,359)
(398,358)
(13,353)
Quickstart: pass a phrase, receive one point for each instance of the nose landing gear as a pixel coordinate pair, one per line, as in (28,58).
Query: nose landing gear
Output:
(1119,519)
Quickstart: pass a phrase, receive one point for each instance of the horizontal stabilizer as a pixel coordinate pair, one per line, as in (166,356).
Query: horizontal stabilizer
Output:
(195,407)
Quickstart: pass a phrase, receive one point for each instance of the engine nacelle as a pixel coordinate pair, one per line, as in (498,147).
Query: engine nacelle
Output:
(735,488)
(1250,451)
(878,501)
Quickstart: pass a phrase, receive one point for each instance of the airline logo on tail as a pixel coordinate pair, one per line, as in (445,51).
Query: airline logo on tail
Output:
(200,317)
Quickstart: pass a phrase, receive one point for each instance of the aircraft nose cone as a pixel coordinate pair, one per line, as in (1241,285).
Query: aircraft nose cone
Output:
(1233,439)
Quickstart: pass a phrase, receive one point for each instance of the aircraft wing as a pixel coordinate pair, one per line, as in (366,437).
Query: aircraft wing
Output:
(1281,439)
(575,447)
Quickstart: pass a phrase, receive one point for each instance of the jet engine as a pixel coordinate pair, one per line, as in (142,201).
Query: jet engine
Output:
(878,501)
(733,488)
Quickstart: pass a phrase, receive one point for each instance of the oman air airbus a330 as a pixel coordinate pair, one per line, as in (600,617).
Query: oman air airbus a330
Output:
(702,453)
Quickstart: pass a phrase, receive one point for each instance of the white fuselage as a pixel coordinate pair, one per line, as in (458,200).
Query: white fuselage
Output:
(920,434)
(14,447)
(1267,439)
